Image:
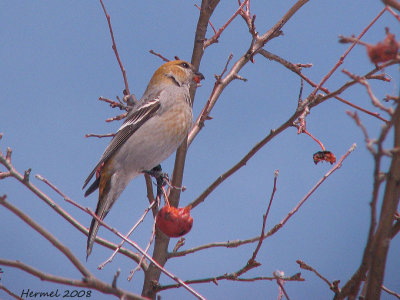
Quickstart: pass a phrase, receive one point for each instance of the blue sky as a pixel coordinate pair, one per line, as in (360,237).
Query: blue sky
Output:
(56,60)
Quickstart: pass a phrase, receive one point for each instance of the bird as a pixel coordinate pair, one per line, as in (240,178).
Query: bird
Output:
(150,133)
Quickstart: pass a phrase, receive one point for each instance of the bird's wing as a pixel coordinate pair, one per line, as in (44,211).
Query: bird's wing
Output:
(132,123)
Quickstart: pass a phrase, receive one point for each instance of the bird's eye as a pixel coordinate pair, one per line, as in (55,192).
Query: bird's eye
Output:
(185,65)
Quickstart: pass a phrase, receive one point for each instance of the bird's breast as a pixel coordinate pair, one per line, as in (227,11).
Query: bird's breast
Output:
(155,140)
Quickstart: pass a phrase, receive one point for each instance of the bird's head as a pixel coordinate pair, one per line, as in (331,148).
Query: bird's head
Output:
(178,72)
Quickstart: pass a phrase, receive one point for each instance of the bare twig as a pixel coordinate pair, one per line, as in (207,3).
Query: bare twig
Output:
(135,245)
(397,295)
(250,21)
(159,55)
(333,286)
(88,282)
(393,3)
(2,287)
(161,241)
(66,198)
(252,263)
(114,282)
(352,286)
(255,47)
(12,172)
(56,243)
(99,135)
(280,283)
(153,233)
(341,59)
(397,16)
(179,244)
(218,33)
(204,115)
(351,39)
(294,68)
(374,100)
(207,8)
(117,118)
(277,227)
(101,266)
(369,143)
(391,98)
(314,138)
(382,237)
(233,277)
(209,22)
(253,257)
(395,229)
(114,104)
(143,252)
(114,47)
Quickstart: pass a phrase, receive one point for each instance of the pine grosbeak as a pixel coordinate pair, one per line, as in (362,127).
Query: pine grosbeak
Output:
(151,132)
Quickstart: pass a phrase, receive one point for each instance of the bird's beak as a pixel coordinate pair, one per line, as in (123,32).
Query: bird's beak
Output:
(198,77)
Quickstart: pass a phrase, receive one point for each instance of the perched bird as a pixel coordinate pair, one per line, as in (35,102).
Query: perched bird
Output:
(151,132)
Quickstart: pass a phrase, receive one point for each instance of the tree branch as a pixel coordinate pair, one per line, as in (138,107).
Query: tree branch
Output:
(56,243)
(161,240)
(87,282)
(382,238)
(277,227)
(114,47)
(352,287)
(341,59)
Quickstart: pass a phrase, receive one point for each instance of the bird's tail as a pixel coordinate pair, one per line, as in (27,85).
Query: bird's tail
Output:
(103,207)
(94,228)
(108,194)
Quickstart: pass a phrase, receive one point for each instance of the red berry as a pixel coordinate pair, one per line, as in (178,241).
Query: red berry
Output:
(324,156)
(173,221)
(385,50)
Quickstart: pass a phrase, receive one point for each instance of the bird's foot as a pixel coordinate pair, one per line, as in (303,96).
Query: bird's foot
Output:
(161,177)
